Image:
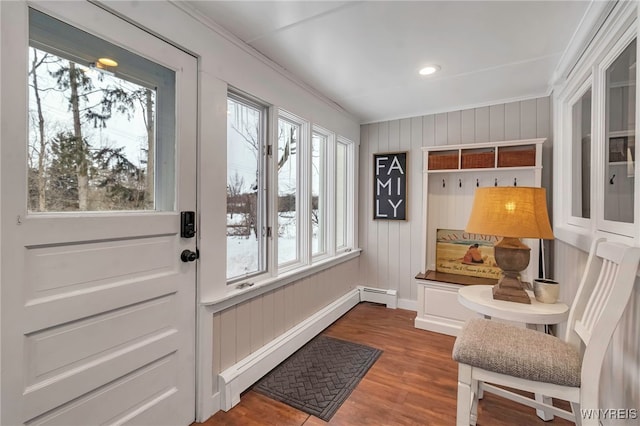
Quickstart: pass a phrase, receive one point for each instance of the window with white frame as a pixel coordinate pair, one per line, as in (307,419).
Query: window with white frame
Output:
(246,206)
(306,173)
(320,141)
(619,135)
(290,134)
(344,202)
(581,154)
(595,148)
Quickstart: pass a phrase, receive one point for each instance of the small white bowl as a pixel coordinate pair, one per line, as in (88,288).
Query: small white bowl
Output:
(545,290)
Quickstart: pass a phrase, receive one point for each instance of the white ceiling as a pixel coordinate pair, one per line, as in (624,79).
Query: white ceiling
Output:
(365,56)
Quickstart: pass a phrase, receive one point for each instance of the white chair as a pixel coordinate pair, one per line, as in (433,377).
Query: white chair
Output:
(491,353)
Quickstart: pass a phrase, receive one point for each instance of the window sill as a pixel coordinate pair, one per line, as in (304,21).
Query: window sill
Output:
(234,296)
(575,236)
(581,238)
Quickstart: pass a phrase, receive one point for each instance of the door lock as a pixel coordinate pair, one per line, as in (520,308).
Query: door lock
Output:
(187,224)
(189,256)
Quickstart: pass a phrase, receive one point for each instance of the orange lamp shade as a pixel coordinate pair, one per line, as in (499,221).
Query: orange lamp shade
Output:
(510,211)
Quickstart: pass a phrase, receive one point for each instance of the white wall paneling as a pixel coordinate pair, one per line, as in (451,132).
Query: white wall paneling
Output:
(241,331)
(381,240)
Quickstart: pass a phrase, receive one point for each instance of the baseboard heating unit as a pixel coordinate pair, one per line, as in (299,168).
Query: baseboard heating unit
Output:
(379,295)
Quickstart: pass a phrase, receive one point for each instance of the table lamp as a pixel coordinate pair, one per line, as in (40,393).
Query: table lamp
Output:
(512,213)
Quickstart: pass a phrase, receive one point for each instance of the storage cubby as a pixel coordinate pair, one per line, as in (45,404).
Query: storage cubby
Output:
(447,197)
(443,160)
(523,153)
(517,156)
(480,158)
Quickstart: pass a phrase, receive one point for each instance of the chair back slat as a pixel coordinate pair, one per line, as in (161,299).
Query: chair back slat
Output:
(601,293)
(609,275)
(602,297)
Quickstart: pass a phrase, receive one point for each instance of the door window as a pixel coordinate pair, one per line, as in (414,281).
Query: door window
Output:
(94,139)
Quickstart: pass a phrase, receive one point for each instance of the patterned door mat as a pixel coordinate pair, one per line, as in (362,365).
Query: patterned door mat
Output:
(319,377)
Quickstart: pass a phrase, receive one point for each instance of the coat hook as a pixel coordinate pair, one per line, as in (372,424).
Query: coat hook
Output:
(611,179)
(477,182)
(515,181)
(460,183)
(443,184)
(495,182)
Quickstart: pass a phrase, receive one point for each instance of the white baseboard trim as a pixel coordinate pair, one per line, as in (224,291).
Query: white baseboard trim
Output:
(379,295)
(440,325)
(240,376)
(409,305)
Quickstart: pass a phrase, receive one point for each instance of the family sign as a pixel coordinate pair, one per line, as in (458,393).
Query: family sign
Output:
(390,186)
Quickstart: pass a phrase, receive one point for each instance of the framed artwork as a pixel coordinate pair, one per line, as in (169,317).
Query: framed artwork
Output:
(390,186)
(464,253)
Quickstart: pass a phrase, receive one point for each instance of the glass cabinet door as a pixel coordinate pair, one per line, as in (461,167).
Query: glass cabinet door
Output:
(581,156)
(620,92)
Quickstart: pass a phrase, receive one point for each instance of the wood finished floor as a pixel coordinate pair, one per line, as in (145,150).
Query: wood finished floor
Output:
(413,382)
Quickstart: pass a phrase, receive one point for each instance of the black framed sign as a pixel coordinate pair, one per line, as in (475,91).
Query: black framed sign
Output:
(390,186)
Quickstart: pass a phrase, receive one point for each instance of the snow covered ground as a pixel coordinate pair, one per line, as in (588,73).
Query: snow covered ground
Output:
(242,251)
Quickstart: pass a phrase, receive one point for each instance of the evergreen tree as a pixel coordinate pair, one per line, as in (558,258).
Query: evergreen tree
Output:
(63,175)
(79,85)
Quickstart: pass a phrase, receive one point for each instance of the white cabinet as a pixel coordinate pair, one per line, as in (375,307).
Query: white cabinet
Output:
(438,307)
(450,176)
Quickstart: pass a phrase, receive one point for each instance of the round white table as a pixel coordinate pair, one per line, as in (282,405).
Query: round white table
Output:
(537,315)
(479,298)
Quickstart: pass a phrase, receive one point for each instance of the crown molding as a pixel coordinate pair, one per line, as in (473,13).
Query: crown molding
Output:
(593,19)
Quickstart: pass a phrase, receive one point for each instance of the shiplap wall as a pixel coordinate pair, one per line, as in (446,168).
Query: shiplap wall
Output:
(391,249)
(244,328)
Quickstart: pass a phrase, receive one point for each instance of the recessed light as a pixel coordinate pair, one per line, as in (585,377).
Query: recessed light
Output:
(429,69)
(107,62)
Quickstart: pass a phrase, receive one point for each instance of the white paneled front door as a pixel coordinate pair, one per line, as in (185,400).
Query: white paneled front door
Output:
(97,307)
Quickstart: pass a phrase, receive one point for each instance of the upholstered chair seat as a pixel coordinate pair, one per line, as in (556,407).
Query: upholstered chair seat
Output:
(500,358)
(518,352)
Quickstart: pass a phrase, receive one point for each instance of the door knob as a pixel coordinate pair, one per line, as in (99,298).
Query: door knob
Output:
(188,255)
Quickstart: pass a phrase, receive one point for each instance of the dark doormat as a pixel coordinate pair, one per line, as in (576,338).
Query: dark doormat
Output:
(319,377)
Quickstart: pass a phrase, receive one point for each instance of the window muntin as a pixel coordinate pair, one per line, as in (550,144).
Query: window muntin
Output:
(581,156)
(96,131)
(289,133)
(619,143)
(246,212)
(319,143)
